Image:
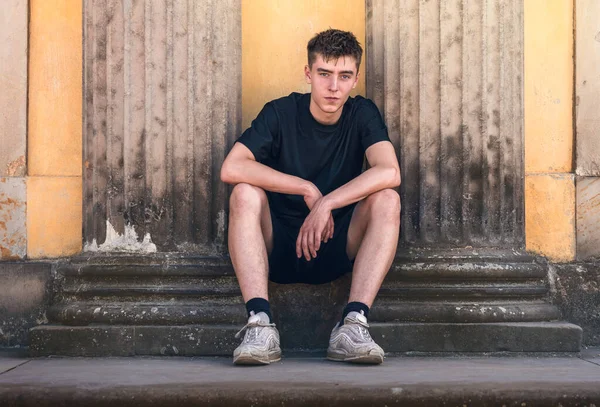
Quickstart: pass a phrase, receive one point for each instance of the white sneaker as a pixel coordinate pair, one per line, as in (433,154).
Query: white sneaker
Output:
(261,342)
(352,342)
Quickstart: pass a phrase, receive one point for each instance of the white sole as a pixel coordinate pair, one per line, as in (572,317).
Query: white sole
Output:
(250,360)
(362,359)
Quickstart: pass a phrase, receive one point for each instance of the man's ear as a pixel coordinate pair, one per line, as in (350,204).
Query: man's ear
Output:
(307,74)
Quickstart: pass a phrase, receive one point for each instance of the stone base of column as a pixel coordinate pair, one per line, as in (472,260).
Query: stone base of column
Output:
(476,300)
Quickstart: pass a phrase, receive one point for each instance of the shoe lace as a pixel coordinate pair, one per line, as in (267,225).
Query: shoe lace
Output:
(252,333)
(362,328)
(365,332)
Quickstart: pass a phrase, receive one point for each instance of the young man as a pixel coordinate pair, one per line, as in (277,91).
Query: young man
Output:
(302,210)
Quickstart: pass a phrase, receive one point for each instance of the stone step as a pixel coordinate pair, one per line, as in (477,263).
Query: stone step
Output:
(134,313)
(141,290)
(466,312)
(167,276)
(129,340)
(479,337)
(421,268)
(211,312)
(197,340)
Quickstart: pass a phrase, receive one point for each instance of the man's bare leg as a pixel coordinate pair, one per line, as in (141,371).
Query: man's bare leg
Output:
(250,239)
(372,241)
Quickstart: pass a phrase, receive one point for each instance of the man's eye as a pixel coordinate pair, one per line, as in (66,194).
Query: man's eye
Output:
(323,74)
(345,76)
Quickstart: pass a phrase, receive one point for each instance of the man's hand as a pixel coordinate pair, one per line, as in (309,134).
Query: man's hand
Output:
(318,225)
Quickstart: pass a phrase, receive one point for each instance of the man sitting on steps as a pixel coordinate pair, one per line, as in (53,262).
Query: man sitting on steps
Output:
(303,211)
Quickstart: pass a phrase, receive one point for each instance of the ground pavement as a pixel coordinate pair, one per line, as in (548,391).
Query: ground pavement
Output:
(459,380)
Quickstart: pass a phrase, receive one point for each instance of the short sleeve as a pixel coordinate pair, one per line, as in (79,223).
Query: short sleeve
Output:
(262,137)
(372,128)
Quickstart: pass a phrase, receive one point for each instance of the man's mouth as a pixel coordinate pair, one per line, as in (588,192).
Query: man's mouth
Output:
(331,99)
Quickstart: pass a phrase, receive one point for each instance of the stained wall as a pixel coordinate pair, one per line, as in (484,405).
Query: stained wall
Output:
(448,78)
(42,167)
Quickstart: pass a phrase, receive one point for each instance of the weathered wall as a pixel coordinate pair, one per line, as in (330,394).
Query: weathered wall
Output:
(19,303)
(55,114)
(549,186)
(447,75)
(13,82)
(13,126)
(125,144)
(274,38)
(587,89)
(13,215)
(40,154)
(162,108)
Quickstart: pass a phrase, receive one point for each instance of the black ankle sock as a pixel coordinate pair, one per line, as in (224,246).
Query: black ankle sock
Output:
(355,306)
(259,305)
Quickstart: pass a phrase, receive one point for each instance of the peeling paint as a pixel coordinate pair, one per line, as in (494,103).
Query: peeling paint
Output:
(16,168)
(13,233)
(552,279)
(127,242)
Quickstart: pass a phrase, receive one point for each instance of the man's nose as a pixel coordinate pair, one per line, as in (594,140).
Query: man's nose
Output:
(333,84)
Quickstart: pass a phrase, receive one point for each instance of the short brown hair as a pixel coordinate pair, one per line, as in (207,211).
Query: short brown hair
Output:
(332,44)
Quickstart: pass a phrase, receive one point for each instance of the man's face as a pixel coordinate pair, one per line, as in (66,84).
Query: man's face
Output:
(331,83)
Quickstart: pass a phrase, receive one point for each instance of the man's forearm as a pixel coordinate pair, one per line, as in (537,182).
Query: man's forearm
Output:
(372,180)
(257,174)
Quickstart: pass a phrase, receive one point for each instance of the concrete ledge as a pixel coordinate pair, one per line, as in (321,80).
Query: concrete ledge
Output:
(307,394)
(403,381)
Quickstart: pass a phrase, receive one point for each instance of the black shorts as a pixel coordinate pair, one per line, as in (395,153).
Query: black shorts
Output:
(331,262)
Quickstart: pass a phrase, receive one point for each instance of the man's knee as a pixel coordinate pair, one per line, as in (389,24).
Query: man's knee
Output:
(247,198)
(385,203)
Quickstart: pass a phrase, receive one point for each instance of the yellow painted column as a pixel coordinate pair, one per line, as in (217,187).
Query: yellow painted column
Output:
(274,38)
(54,185)
(549,178)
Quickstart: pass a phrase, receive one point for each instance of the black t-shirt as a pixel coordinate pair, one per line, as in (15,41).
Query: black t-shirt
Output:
(286,137)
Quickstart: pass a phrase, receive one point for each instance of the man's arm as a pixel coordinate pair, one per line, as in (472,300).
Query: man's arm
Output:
(240,166)
(384,173)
